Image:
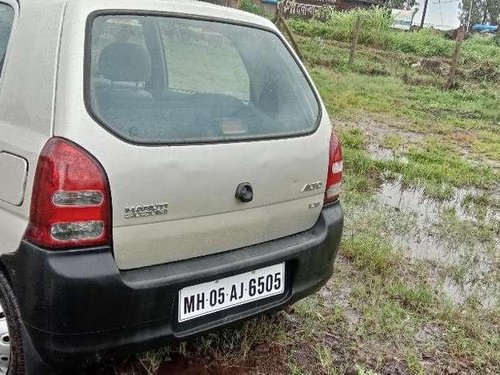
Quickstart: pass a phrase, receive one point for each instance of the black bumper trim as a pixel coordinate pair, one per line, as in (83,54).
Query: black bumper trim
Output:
(77,303)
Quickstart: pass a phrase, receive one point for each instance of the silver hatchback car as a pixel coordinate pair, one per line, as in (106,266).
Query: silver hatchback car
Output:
(166,167)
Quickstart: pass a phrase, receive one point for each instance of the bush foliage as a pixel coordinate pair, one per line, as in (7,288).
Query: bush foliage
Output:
(375,25)
(251,7)
(376,32)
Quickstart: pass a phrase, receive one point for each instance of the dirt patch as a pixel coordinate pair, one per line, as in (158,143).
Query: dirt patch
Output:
(483,71)
(264,358)
(434,65)
(377,129)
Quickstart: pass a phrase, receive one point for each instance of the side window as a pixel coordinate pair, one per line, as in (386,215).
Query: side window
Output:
(6,19)
(113,37)
(190,50)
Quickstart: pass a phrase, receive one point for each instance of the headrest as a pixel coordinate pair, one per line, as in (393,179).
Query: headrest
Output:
(125,62)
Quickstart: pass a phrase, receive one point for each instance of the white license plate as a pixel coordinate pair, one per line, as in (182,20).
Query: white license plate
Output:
(206,298)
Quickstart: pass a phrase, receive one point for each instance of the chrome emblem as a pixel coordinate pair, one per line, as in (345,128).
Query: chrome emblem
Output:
(146,210)
(314,205)
(312,186)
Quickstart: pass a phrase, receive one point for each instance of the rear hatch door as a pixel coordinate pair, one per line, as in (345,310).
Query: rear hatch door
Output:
(193,109)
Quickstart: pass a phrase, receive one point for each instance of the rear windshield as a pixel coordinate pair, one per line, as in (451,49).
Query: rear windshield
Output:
(6,19)
(156,79)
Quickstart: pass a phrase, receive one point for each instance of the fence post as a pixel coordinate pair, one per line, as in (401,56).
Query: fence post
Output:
(355,39)
(279,21)
(454,60)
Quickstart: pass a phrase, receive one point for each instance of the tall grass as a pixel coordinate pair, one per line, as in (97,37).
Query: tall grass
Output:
(375,26)
(480,48)
(423,42)
(481,53)
(251,7)
(376,32)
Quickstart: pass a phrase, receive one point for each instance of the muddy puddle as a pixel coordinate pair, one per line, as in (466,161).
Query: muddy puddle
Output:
(447,233)
(394,194)
(458,234)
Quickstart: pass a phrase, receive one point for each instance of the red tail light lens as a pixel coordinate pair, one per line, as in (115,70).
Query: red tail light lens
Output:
(70,205)
(335,167)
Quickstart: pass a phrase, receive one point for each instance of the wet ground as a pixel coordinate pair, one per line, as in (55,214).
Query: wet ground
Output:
(425,236)
(421,225)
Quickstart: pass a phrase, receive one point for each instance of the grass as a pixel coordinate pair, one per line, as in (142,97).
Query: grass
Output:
(459,128)
(251,7)
(397,298)
(371,252)
(479,204)
(375,26)
(425,108)
(444,137)
(376,32)
(439,168)
(397,302)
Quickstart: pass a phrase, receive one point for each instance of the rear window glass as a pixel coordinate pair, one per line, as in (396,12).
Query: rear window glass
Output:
(172,80)
(6,19)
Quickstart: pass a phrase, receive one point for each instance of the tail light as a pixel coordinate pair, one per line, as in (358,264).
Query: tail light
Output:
(70,205)
(335,167)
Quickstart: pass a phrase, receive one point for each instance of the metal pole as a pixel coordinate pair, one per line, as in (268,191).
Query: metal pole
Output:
(424,13)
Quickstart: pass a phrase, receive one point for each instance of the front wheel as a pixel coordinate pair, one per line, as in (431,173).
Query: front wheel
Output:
(11,342)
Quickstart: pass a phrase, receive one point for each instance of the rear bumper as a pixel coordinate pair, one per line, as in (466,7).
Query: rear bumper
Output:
(77,305)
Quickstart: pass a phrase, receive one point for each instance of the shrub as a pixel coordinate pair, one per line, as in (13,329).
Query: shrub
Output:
(423,42)
(376,32)
(496,40)
(251,7)
(375,26)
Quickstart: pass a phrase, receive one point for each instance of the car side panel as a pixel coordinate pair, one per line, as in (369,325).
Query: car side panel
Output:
(27,91)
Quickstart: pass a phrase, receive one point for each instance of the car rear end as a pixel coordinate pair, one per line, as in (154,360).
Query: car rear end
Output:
(192,180)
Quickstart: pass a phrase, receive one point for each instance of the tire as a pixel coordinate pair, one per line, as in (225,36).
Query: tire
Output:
(13,335)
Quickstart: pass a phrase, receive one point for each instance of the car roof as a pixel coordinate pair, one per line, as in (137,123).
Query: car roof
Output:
(187,7)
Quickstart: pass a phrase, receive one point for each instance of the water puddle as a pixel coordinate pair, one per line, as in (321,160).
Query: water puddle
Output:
(460,235)
(384,154)
(380,153)
(394,194)
(451,232)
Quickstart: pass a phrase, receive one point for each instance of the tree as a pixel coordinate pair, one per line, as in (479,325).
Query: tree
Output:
(482,11)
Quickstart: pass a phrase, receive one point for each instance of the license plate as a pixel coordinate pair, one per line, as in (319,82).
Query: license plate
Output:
(206,298)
